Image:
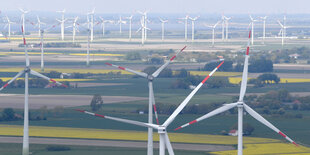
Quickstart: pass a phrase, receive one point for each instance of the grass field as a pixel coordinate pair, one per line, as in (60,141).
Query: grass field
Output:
(59,80)
(261,146)
(35,149)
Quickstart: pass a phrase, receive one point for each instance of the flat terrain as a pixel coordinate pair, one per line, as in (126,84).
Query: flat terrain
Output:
(111,143)
(52,101)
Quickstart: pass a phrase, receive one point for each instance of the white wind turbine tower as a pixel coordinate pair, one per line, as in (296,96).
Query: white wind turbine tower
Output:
(241,106)
(120,22)
(143,29)
(8,24)
(226,24)
(163,28)
(185,22)
(150,79)
(27,70)
(130,22)
(74,28)
(252,24)
(103,21)
(283,31)
(193,27)
(213,31)
(223,27)
(162,129)
(39,23)
(23,18)
(91,23)
(264,27)
(145,20)
(62,23)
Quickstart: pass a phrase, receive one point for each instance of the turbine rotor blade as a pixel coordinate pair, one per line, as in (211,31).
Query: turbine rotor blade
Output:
(265,122)
(245,71)
(46,78)
(121,120)
(129,70)
(189,97)
(224,108)
(168,145)
(157,72)
(13,79)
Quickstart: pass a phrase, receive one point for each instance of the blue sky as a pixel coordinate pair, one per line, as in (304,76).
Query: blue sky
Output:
(163,6)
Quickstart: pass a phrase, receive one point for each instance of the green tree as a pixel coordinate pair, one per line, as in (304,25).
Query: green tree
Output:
(227,66)
(133,56)
(96,103)
(261,65)
(8,114)
(182,73)
(247,128)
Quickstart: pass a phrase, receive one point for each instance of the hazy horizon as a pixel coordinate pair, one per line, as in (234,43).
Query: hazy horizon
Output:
(161,6)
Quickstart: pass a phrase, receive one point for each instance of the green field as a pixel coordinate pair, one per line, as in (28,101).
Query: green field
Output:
(15,149)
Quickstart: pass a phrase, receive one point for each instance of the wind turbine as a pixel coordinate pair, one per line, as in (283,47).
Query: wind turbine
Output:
(145,20)
(185,22)
(130,20)
(23,17)
(62,23)
(103,21)
(163,28)
(74,28)
(91,24)
(264,27)
(223,26)
(193,27)
(143,29)
(8,24)
(213,31)
(27,70)
(162,129)
(39,25)
(150,79)
(226,24)
(120,22)
(252,30)
(241,106)
(282,31)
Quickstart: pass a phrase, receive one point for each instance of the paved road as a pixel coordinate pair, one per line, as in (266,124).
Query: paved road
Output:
(110,143)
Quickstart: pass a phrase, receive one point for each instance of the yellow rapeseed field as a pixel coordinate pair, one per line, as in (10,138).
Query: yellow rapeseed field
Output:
(269,149)
(237,80)
(59,80)
(205,73)
(255,146)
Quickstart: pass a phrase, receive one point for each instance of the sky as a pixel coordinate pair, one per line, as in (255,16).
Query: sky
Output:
(163,6)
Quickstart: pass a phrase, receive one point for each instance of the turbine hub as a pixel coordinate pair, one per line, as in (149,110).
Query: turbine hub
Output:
(240,104)
(162,129)
(27,69)
(150,77)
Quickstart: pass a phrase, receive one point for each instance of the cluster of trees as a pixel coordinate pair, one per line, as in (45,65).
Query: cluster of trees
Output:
(96,102)
(185,83)
(265,79)
(133,56)
(256,66)
(33,83)
(278,102)
(55,74)
(190,109)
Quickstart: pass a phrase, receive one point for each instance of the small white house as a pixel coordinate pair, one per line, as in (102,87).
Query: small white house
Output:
(233,133)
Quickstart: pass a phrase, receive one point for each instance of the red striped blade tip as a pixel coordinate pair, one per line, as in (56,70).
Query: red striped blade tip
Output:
(79,110)
(295,144)
(250,33)
(177,128)
(183,48)
(108,64)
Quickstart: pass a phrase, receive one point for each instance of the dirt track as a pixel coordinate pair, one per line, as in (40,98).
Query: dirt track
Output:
(51,101)
(109,143)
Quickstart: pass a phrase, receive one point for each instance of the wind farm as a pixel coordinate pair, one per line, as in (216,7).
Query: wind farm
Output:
(151,80)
